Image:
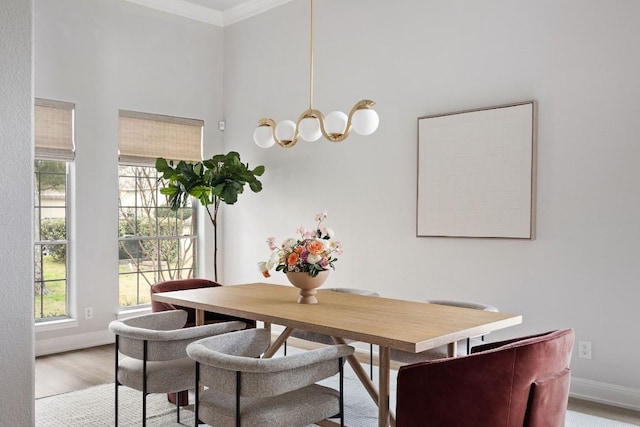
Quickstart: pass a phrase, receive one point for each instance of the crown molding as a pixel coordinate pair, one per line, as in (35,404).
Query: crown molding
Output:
(249,9)
(185,9)
(207,15)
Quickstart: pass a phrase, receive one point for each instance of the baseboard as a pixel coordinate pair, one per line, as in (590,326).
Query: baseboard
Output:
(606,394)
(73,342)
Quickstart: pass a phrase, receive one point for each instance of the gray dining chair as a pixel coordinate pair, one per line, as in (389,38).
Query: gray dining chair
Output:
(245,390)
(326,339)
(463,347)
(155,359)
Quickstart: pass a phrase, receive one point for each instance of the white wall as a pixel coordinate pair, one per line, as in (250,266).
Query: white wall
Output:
(577,58)
(16,183)
(103,56)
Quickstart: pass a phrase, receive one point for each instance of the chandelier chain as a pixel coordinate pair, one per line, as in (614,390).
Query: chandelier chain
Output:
(311,60)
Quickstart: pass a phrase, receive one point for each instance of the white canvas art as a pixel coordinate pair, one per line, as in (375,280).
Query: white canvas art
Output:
(476,173)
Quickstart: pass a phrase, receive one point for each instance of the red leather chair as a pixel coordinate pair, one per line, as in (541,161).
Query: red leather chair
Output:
(183,284)
(519,382)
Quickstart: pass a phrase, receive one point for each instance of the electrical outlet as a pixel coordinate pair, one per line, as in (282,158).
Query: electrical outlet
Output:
(88,313)
(584,349)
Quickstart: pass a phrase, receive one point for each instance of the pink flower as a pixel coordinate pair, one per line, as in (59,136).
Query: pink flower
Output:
(321,216)
(336,247)
(271,241)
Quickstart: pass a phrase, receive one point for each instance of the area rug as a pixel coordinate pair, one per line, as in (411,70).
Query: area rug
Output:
(95,407)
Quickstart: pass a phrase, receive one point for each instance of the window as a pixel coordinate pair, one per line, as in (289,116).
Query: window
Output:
(154,243)
(54,150)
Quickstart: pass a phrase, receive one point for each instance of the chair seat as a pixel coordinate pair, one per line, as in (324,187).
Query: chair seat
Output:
(162,377)
(296,408)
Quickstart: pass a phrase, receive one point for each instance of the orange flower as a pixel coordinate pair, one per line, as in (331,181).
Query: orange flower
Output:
(293,258)
(266,273)
(315,247)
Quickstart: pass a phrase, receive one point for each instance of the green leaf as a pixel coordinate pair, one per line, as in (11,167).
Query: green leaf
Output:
(162,165)
(220,178)
(258,170)
(256,186)
(168,191)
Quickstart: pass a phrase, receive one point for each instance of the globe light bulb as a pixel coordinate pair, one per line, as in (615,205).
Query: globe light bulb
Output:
(309,129)
(285,131)
(263,136)
(335,123)
(365,121)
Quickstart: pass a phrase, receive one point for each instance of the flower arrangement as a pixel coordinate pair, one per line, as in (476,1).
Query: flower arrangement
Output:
(312,252)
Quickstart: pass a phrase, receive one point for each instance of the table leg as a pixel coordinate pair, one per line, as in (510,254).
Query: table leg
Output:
(278,342)
(452,349)
(384,414)
(363,376)
(199,317)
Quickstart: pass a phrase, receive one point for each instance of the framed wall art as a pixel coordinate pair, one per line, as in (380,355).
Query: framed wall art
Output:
(476,173)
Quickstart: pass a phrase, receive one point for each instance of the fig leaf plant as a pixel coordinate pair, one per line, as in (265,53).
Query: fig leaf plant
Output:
(220,179)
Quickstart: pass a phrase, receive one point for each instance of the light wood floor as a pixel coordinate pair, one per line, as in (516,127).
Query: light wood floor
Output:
(76,370)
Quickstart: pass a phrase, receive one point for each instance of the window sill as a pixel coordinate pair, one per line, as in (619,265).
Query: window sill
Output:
(54,325)
(123,314)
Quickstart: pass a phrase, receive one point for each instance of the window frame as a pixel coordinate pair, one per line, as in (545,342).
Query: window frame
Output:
(157,272)
(54,133)
(41,243)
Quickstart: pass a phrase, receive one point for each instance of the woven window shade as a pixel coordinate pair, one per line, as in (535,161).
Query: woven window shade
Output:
(144,137)
(53,130)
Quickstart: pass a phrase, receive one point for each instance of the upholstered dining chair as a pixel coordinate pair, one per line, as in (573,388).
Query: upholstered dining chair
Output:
(463,347)
(184,284)
(326,339)
(180,285)
(519,382)
(248,391)
(154,350)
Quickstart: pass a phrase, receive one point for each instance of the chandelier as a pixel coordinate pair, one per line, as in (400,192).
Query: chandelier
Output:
(312,124)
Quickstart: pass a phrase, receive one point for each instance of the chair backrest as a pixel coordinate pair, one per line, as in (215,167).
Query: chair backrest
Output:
(223,356)
(157,328)
(164,334)
(185,284)
(178,285)
(464,304)
(522,382)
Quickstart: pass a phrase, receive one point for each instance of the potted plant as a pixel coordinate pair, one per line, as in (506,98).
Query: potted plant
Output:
(221,178)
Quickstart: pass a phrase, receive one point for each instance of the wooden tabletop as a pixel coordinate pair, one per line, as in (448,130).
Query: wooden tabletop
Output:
(405,325)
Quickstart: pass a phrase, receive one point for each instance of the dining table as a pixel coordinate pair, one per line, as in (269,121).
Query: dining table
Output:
(389,323)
